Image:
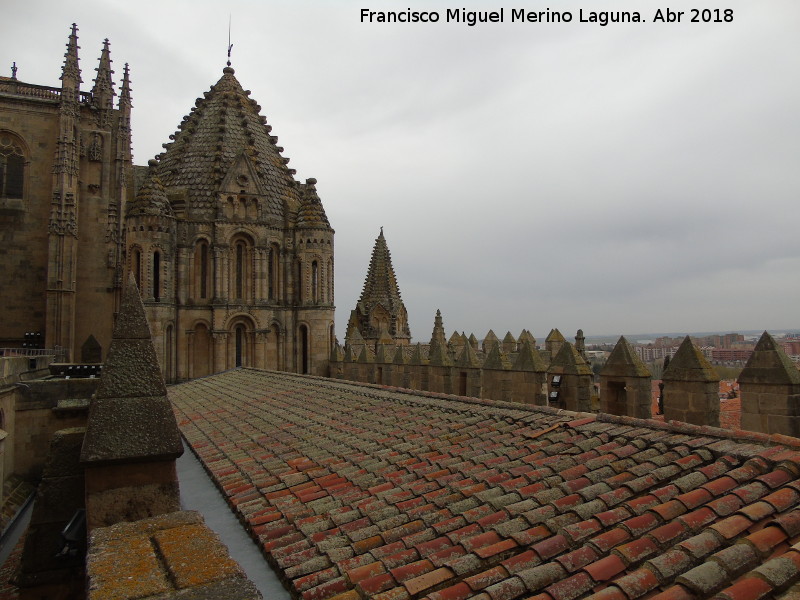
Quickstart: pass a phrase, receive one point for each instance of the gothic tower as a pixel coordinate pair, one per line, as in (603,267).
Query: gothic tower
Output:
(234,257)
(380,308)
(65,161)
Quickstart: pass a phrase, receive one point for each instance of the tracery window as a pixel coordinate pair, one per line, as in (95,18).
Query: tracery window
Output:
(12,168)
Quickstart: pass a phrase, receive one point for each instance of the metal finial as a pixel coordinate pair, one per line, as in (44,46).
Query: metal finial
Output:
(14,70)
(230,46)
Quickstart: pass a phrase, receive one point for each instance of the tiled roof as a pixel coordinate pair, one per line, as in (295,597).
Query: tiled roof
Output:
(224,125)
(356,491)
(311,214)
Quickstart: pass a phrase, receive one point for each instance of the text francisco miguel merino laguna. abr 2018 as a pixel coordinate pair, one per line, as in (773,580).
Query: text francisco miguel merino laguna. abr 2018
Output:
(521,15)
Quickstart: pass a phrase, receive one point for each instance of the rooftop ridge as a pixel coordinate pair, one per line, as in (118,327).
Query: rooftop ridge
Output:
(677,427)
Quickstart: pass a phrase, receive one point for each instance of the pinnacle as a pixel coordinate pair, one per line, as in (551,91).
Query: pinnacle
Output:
(689,364)
(130,418)
(380,285)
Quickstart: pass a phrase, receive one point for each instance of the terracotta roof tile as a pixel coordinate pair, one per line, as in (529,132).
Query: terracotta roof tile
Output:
(571,587)
(746,588)
(414,494)
(704,579)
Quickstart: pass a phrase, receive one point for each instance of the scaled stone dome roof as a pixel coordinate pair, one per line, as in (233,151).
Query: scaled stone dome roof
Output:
(152,198)
(311,214)
(222,126)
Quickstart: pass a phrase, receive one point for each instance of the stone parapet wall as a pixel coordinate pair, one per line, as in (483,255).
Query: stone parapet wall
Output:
(169,556)
(496,384)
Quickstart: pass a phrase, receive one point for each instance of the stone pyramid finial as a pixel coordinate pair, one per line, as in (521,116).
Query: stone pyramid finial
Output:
(71,72)
(311,213)
(624,362)
(526,335)
(384,339)
(769,364)
(529,359)
(103,90)
(125,89)
(337,354)
(399,356)
(416,355)
(456,340)
(571,360)
(381,296)
(489,340)
(495,359)
(130,418)
(689,364)
(473,341)
(438,330)
(509,342)
(437,354)
(152,197)
(468,357)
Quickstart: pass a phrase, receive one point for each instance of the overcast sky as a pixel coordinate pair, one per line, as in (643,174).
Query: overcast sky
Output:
(638,177)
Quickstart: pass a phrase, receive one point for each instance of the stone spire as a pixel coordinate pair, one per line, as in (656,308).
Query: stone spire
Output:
(71,72)
(103,91)
(125,90)
(130,418)
(437,354)
(437,336)
(380,302)
(132,438)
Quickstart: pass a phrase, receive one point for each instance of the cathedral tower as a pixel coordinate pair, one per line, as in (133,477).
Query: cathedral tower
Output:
(380,307)
(65,162)
(234,256)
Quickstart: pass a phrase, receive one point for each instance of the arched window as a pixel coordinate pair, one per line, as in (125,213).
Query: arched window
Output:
(201,270)
(12,168)
(157,275)
(304,350)
(239,271)
(329,279)
(298,284)
(272,276)
(239,336)
(315,281)
(241,275)
(136,265)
